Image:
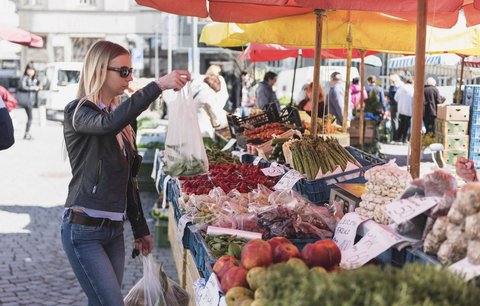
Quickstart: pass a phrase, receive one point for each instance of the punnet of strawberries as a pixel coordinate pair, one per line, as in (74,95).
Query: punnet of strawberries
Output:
(242,177)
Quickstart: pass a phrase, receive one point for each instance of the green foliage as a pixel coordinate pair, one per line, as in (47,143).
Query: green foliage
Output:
(415,284)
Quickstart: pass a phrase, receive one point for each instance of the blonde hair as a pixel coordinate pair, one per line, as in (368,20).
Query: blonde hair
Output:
(93,77)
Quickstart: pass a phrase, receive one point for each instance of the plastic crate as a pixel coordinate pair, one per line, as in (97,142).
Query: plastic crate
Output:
(317,191)
(417,255)
(300,243)
(392,257)
(249,159)
(201,255)
(288,115)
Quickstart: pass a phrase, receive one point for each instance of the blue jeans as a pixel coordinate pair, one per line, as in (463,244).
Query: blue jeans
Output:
(97,256)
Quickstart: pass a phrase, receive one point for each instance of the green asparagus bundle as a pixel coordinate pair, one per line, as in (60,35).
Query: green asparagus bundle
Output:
(312,154)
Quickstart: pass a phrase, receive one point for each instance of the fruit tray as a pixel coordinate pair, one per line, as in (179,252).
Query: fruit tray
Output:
(318,191)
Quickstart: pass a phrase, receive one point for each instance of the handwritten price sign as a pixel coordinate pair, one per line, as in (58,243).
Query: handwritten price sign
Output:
(374,243)
(273,171)
(257,160)
(403,210)
(288,180)
(347,230)
(211,293)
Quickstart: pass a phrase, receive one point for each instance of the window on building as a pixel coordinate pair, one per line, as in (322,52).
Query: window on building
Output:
(80,46)
(32,2)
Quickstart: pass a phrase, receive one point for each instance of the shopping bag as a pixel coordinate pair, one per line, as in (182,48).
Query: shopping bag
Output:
(24,99)
(184,149)
(148,290)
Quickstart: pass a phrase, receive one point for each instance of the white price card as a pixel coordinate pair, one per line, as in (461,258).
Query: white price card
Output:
(211,293)
(465,269)
(182,224)
(403,210)
(288,180)
(346,230)
(165,184)
(229,144)
(374,243)
(257,160)
(273,171)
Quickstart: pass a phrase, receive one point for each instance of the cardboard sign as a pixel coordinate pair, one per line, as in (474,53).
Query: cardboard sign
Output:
(273,171)
(288,180)
(211,292)
(374,243)
(229,144)
(403,210)
(165,183)
(346,230)
(465,269)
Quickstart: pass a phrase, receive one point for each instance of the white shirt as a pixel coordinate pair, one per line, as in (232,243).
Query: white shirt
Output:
(404,97)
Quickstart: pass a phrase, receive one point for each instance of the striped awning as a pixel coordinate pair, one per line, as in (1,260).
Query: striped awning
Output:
(434,59)
(472,62)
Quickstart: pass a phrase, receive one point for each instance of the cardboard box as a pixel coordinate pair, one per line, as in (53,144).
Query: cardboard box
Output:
(451,127)
(450,156)
(453,112)
(453,142)
(369,129)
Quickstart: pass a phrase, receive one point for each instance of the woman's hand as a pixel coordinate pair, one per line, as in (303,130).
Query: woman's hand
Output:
(174,80)
(466,170)
(144,244)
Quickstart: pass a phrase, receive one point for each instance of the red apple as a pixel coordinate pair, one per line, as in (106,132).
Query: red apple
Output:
(275,241)
(223,264)
(284,252)
(256,253)
(323,253)
(234,277)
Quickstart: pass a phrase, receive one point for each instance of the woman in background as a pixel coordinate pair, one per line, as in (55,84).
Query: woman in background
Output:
(27,96)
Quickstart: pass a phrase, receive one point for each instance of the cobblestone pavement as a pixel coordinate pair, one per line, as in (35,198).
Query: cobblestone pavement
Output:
(33,182)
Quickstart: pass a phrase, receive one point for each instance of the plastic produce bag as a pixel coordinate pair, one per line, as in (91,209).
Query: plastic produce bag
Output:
(148,289)
(185,153)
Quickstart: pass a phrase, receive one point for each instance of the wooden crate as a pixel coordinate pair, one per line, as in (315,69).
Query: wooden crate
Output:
(453,142)
(444,127)
(192,275)
(453,112)
(178,253)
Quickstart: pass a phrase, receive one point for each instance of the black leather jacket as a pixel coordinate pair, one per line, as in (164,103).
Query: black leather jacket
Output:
(103,177)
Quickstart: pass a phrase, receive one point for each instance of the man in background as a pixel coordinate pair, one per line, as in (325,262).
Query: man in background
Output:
(335,97)
(265,96)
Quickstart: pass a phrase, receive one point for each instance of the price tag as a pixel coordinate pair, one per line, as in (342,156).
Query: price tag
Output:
(229,144)
(273,171)
(465,269)
(182,224)
(346,230)
(374,243)
(288,180)
(211,293)
(257,160)
(406,209)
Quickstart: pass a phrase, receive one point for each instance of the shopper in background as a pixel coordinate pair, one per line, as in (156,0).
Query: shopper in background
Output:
(404,98)
(306,103)
(204,96)
(395,83)
(6,127)
(356,97)
(102,192)
(335,97)
(27,95)
(265,96)
(248,94)
(432,99)
(466,170)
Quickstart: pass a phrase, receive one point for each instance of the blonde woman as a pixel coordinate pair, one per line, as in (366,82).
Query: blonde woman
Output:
(103,192)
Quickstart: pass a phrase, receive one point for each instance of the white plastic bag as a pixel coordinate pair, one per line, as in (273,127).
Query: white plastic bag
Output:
(184,149)
(148,289)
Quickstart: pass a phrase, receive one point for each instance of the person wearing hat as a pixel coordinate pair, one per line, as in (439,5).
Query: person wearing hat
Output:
(335,96)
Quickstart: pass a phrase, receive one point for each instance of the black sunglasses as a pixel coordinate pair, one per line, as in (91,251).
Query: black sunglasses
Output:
(124,71)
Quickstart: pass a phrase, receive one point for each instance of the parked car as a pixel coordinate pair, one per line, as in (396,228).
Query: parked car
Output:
(59,88)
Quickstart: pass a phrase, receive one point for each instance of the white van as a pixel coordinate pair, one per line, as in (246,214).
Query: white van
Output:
(59,87)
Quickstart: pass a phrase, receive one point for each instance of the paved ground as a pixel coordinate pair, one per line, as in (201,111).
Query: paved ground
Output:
(33,185)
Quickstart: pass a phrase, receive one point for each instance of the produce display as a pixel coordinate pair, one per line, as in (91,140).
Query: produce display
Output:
(384,184)
(225,245)
(313,156)
(217,156)
(326,125)
(242,177)
(246,281)
(414,284)
(185,166)
(457,235)
(272,213)
(265,132)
